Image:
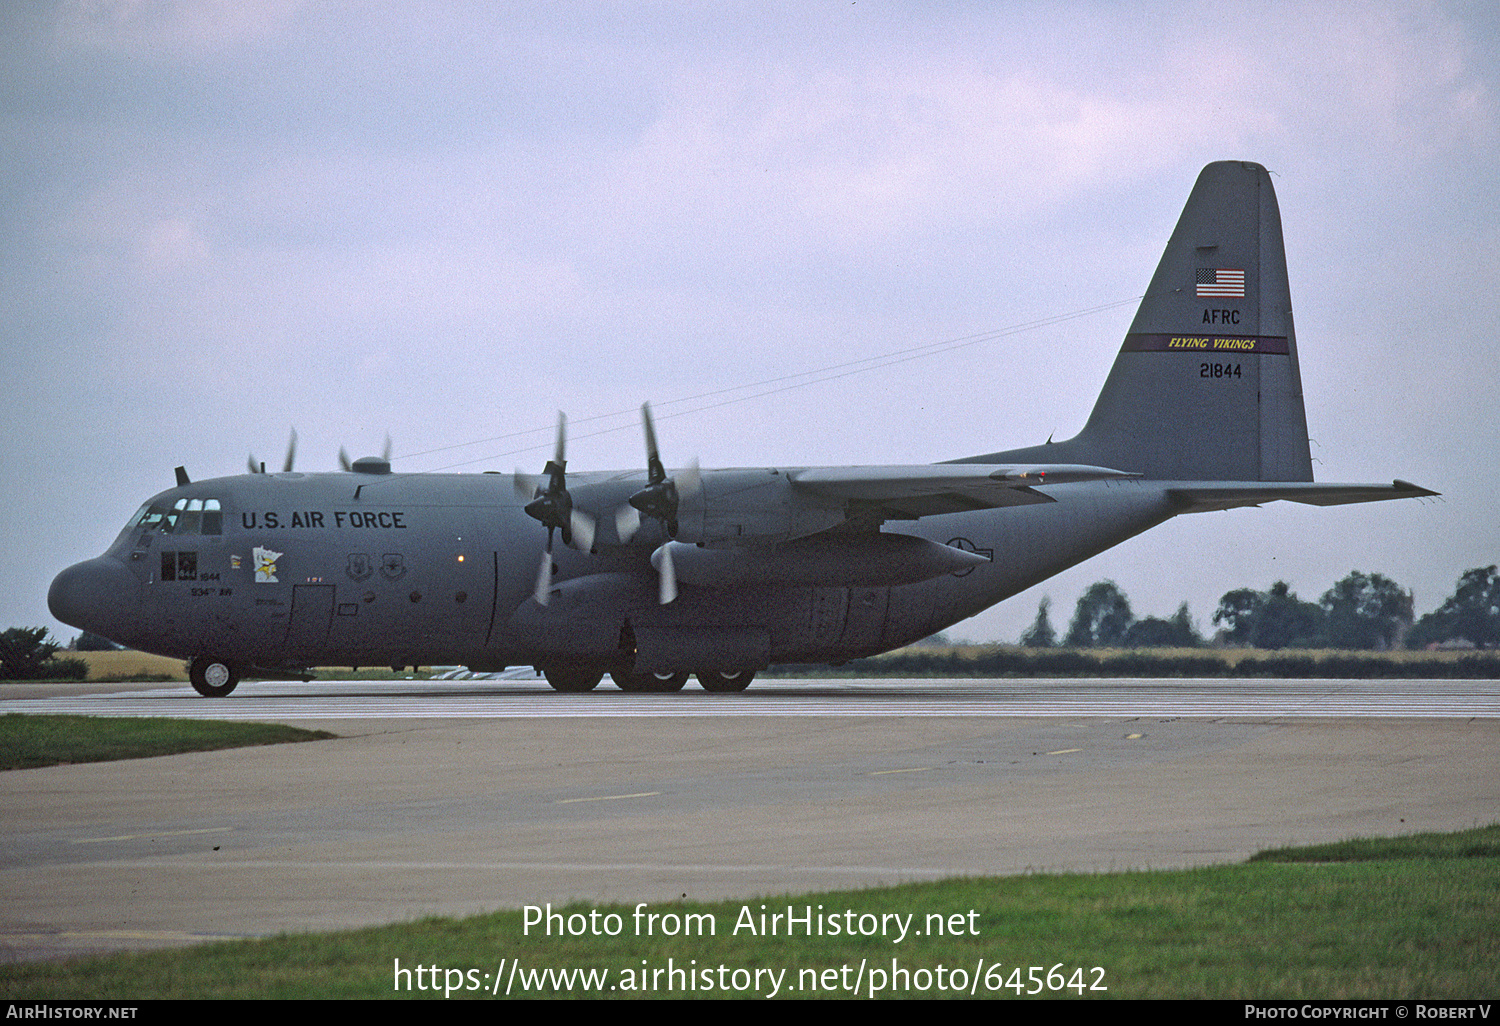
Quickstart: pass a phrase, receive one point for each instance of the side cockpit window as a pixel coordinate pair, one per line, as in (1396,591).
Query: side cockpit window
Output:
(185,516)
(151,517)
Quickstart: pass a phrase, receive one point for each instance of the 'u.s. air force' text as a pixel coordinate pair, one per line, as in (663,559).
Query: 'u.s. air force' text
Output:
(274,520)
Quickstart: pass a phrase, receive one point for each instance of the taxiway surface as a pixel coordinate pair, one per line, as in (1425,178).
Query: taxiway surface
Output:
(449,798)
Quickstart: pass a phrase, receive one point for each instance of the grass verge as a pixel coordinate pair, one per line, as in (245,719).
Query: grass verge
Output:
(987,661)
(1479,843)
(27,742)
(1414,918)
(1014,661)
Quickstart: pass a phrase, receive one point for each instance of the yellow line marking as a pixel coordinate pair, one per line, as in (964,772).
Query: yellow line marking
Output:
(164,833)
(607,797)
(1065,751)
(915,769)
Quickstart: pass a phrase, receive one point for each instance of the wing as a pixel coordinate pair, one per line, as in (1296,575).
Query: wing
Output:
(907,493)
(1228,495)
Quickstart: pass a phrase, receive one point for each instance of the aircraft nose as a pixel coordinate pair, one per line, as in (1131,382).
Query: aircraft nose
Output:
(97,595)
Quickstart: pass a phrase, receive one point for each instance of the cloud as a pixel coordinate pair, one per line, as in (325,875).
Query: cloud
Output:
(414,216)
(170,29)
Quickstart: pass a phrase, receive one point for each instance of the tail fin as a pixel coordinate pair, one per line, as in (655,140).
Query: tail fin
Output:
(1206,386)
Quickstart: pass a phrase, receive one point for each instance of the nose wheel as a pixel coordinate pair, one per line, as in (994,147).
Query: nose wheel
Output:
(212,678)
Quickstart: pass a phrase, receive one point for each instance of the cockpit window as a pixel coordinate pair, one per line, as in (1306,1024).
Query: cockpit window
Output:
(185,516)
(154,518)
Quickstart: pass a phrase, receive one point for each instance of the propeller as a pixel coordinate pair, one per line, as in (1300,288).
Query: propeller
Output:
(666,573)
(662,495)
(258,467)
(347,464)
(553,506)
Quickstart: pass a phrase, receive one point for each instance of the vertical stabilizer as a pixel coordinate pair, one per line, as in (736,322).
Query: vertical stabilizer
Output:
(1206,386)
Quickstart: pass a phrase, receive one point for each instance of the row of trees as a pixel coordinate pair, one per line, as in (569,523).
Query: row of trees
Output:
(1362,611)
(1471,613)
(1103,618)
(26,653)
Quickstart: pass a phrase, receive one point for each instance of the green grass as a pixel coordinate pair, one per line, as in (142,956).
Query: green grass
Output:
(1419,918)
(1479,843)
(27,742)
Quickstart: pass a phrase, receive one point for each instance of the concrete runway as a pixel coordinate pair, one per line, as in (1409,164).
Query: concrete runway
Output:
(446,798)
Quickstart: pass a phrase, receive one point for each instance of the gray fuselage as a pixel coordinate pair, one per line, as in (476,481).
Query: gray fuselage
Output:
(352,569)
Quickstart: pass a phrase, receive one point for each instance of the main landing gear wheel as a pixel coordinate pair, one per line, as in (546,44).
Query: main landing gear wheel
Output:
(650,683)
(663,683)
(633,683)
(572,679)
(724,683)
(212,678)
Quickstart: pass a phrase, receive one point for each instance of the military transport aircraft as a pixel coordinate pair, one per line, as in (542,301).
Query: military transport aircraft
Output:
(721,573)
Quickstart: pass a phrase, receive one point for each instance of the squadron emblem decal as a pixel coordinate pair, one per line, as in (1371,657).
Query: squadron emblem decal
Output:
(265,565)
(359,567)
(967,546)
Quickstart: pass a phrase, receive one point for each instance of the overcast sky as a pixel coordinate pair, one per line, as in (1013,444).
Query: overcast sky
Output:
(445,222)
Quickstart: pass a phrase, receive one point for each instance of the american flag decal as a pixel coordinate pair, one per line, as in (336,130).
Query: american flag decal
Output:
(1222,281)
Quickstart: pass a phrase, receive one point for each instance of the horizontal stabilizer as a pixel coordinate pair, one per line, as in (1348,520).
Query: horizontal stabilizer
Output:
(928,490)
(1199,498)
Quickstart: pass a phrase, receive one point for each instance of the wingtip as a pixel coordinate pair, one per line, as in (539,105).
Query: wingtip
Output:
(1416,491)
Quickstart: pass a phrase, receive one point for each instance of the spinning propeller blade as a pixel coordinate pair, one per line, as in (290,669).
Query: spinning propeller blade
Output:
(385,455)
(627,522)
(662,560)
(552,506)
(259,467)
(544,579)
(663,495)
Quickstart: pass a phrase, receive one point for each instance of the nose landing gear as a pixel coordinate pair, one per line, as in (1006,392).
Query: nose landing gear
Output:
(212,678)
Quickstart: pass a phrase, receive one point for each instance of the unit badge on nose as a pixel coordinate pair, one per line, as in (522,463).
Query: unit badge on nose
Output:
(265,565)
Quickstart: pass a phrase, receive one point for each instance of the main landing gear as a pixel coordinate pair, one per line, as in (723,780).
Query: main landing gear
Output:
(579,679)
(648,683)
(724,683)
(573,680)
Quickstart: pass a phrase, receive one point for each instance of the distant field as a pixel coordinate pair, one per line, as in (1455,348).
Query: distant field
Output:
(993,661)
(129,664)
(132,665)
(1229,656)
(1015,661)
